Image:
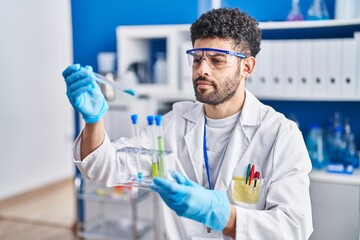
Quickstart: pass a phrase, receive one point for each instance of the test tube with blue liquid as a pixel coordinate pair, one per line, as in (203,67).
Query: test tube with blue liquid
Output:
(134,120)
(161,146)
(154,164)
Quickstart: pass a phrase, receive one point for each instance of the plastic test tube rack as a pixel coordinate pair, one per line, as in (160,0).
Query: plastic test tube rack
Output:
(127,158)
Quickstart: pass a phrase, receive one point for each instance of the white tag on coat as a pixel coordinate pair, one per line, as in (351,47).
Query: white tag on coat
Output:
(206,236)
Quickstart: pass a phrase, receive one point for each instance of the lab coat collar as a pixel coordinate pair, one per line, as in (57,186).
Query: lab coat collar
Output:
(250,119)
(239,141)
(196,114)
(194,139)
(251,111)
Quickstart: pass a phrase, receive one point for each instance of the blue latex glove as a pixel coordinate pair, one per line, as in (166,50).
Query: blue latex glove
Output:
(189,199)
(84,93)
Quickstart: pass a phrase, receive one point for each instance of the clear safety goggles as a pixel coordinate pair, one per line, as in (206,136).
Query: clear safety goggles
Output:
(215,58)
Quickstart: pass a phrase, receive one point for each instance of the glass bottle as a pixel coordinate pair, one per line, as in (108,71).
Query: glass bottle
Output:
(295,12)
(315,146)
(317,11)
(160,69)
(106,67)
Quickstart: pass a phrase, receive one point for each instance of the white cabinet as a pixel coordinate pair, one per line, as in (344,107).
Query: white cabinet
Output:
(133,43)
(288,68)
(335,206)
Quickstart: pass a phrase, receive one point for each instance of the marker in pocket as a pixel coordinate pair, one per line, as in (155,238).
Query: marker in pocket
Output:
(247,173)
(257,177)
(252,174)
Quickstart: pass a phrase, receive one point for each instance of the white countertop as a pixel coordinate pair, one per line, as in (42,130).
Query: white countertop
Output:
(324,176)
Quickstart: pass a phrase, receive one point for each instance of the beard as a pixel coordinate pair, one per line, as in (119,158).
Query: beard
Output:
(222,90)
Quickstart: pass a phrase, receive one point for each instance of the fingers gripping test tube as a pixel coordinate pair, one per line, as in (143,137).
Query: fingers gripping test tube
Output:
(154,164)
(161,146)
(134,119)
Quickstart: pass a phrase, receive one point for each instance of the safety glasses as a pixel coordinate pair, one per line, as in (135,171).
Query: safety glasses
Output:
(215,58)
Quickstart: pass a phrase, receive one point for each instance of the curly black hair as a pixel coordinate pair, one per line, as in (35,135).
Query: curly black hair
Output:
(229,23)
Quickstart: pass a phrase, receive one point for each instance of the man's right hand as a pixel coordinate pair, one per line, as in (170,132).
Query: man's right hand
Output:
(84,93)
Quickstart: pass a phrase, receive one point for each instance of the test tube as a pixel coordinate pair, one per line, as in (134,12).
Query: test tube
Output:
(154,165)
(161,146)
(134,119)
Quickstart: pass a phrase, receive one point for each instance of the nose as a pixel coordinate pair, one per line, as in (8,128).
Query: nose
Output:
(204,68)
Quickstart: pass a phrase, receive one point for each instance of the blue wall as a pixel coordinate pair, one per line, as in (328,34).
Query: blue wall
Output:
(94,23)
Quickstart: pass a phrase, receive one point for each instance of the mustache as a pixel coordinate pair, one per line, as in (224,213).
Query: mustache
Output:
(203,78)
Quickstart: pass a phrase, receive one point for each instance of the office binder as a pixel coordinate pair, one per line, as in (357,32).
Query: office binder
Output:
(306,71)
(349,67)
(264,69)
(277,83)
(320,54)
(357,50)
(291,68)
(334,63)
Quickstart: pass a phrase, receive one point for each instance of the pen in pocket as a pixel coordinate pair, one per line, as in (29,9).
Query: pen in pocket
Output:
(257,177)
(247,173)
(252,174)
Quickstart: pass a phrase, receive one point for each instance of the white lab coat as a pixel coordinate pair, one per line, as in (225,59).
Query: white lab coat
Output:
(262,137)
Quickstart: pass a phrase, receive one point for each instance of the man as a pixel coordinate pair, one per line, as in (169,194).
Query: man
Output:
(244,167)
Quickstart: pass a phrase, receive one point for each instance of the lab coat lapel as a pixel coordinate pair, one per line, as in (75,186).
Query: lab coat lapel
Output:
(238,143)
(194,140)
(249,121)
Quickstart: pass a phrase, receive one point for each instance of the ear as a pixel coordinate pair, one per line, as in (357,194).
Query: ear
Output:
(249,65)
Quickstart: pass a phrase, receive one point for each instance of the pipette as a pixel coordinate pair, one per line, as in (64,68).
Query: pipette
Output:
(100,78)
(154,165)
(134,119)
(161,146)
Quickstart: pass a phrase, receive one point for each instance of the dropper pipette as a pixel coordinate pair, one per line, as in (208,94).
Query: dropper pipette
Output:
(100,78)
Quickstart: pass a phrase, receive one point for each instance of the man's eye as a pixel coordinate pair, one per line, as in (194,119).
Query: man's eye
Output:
(218,60)
(197,60)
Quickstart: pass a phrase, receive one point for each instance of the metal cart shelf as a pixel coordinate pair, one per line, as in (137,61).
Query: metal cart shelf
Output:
(113,229)
(112,226)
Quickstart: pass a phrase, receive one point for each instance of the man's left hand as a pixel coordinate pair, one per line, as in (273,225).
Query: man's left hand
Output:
(189,199)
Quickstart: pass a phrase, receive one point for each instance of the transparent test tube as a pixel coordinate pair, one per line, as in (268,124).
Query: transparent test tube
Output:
(154,164)
(161,146)
(134,119)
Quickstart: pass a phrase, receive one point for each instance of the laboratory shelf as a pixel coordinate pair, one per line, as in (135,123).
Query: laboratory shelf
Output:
(324,97)
(309,24)
(113,229)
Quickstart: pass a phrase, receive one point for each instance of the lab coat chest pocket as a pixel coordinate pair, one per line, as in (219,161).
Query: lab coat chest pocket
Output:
(245,193)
